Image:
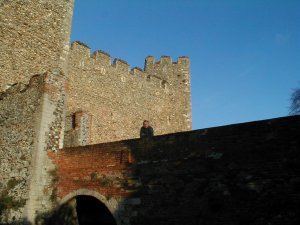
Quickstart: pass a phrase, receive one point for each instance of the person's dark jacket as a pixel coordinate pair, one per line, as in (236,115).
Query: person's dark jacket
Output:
(146,132)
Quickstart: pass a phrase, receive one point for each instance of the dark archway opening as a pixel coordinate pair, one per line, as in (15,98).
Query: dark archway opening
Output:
(90,211)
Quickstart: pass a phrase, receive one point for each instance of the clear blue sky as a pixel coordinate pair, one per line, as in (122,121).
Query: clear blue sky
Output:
(245,54)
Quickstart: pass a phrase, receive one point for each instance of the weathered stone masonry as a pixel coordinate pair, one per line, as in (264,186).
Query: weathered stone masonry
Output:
(81,99)
(50,127)
(34,38)
(29,128)
(116,100)
(17,122)
(238,174)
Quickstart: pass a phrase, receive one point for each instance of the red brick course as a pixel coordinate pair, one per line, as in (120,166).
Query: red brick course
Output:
(100,168)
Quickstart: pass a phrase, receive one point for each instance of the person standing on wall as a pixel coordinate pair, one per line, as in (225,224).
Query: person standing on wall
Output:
(146,130)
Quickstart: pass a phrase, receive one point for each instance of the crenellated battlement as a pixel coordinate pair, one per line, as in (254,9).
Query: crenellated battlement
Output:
(82,99)
(176,73)
(79,97)
(150,60)
(102,61)
(138,72)
(74,44)
(102,57)
(110,90)
(164,59)
(81,49)
(121,65)
(81,57)
(183,60)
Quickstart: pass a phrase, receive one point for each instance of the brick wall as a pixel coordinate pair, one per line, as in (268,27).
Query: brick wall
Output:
(238,174)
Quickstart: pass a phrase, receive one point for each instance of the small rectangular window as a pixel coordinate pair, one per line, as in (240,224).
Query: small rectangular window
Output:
(73,120)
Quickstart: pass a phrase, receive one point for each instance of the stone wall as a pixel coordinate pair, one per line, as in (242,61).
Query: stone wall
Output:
(31,118)
(117,100)
(238,174)
(49,129)
(34,37)
(17,136)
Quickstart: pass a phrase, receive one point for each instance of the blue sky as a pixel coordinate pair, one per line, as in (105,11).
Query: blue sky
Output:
(245,54)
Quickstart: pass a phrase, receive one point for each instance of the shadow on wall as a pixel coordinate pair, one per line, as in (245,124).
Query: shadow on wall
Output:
(238,174)
(81,210)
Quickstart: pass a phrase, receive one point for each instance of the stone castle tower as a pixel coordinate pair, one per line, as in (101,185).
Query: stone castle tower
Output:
(58,101)
(54,95)
(100,95)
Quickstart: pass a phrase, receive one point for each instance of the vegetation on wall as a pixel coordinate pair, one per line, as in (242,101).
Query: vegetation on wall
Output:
(8,202)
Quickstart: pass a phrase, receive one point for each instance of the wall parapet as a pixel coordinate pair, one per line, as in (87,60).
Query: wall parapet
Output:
(139,93)
(82,52)
(187,143)
(194,173)
(138,71)
(150,60)
(79,43)
(121,64)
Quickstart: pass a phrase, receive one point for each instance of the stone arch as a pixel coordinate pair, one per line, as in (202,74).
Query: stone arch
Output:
(111,204)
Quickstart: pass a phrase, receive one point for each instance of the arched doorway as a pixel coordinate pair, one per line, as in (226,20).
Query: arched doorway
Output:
(90,211)
(82,210)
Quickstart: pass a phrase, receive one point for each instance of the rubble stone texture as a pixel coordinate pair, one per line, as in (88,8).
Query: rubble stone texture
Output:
(117,100)
(55,95)
(34,37)
(29,128)
(17,122)
(238,174)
